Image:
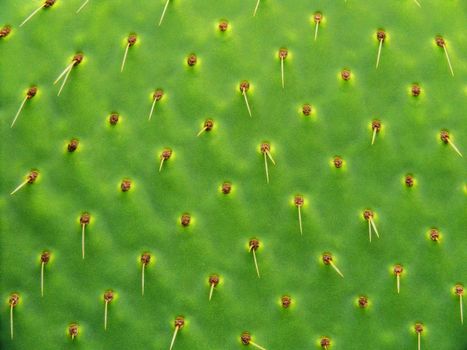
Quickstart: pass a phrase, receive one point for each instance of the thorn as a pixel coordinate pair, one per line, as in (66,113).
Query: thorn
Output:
(337,269)
(65,71)
(213,281)
(449,61)
(64,81)
(176,327)
(461,309)
(165,155)
(31,15)
(145,259)
(265,149)
(374,136)
(105,315)
(256,8)
(256,263)
(300,220)
(283,53)
(201,131)
(379,53)
(266,167)
(257,346)
(19,110)
(11,321)
(13,301)
(163,12)
(246,102)
(254,245)
(124,57)
(374,226)
(152,109)
(418,4)
(381,36)
(376,126)
(83,220)
(455,147)
(42,279)
(31,178)
(179,323)
(398,269)
(327,260)
(270,157)
(211,291)
(82,6)
(459,290)
(156,96)
(298,200)
(282,72)
(369,229)
(317,18)
(19,187)
(142,279)
(108,297)
(77,59)
(419,341)
(82,239)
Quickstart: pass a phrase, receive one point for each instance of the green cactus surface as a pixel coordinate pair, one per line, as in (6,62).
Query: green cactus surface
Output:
(181,194)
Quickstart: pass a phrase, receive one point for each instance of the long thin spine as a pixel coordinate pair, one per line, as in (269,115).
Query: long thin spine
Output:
(256,7)
(124,57)
(211,290)
(379,53)
(64,81)
(300,220)
(173,338)
(257,346)
(369,230)
(270,157)
(142,279)
(282,72)
(375,130)
(19,187)
(418,4)
(64,72)
(461,308)
(82,6)
(163,12)
(316,30)
(82,239)
(11,321)
(419,341)
(201,131)
(449,60)
(152,109)
(246,101)
(105,315)
(42,279)
(398,278)
(337,269)
(256,263)
(31,15)
(162,163)
(266,168)
(19,111)
(455,147)
(374,227)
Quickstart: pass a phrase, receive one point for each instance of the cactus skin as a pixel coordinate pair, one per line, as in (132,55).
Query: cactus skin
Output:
(44,216)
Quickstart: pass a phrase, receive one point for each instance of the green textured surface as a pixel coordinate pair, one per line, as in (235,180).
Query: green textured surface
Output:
(45,216)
